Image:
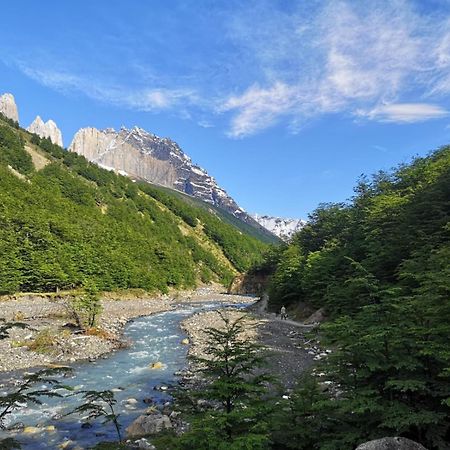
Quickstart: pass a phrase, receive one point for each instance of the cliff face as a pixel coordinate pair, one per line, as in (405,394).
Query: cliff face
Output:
(143,155)
(47,129)
(8,107)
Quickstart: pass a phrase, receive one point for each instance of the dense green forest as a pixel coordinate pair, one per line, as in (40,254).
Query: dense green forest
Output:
(68,221)
(379,266)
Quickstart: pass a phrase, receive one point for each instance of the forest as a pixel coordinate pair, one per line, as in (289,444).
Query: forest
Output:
(378,267)
(72,222)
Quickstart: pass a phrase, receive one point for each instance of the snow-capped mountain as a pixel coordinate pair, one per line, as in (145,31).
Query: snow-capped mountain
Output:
(145,156)
(283,228)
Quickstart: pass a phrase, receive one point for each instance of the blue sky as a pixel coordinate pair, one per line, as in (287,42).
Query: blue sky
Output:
(285,102)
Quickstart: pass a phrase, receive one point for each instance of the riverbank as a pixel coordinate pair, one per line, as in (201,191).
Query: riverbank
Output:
(290,349)
(51,338)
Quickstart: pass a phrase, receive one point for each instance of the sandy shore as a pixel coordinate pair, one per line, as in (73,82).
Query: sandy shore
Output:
(51,340)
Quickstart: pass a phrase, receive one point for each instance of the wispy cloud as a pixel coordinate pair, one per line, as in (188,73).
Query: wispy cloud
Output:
(258,108)
(367,59)
(256,64)
(404,112)
(138,98)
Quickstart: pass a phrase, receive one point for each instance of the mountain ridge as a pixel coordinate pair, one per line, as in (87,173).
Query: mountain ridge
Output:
(142,155)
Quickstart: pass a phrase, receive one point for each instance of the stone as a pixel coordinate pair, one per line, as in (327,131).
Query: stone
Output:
(131,401)
(8,107)
(156,365)
(48,130)
(149,424)
(31,430)
(391,443)
(143,443)
(50,428)
(185,341)
(316,317)
(65,444)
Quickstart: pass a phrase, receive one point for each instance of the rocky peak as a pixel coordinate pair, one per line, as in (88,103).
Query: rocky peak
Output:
(143,155)
(8,107)
(47,129)
(281,227)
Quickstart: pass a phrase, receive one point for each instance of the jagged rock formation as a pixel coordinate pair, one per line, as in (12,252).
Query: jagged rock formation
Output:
(47,129)
(8,107)
(143,155)
(283,228)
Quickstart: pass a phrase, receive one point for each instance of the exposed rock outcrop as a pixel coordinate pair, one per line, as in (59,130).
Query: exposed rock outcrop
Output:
(391,443)
(47,129)
(254,284)
(145,156)
(8,107)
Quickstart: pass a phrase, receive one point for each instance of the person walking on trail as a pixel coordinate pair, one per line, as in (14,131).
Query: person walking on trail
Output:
(283,314)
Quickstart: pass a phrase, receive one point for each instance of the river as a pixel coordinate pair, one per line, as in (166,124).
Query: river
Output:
(127,372)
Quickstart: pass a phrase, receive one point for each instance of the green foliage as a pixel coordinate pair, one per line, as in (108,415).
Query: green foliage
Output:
(236,417)
(12,151)
(379,266)
(25,391)
(88,305)
(73,221)
(298,421)
(100,404)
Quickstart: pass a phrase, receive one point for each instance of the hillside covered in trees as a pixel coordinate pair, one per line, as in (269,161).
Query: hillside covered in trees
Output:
(379,267)
(64,221)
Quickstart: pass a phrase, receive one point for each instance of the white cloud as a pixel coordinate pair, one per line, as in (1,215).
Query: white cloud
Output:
(382,60)
(368,58)
(143,99)
(404,112)
(258,108)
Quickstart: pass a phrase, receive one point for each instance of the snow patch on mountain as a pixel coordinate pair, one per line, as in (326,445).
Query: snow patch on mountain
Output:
(281,227)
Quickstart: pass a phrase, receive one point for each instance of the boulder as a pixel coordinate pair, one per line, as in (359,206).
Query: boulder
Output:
(157,365)
(185,341)
(316,317)
(143,443)
(391,443)
(31,430)
(149,424)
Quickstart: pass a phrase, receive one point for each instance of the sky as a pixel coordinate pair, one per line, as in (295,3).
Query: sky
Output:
(286,103)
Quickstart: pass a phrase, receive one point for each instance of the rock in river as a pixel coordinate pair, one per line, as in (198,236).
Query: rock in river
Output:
(149,424)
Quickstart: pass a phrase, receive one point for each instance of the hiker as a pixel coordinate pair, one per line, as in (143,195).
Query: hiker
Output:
(283,314)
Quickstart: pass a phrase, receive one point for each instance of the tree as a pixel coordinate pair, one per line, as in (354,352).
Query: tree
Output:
(236,415)
(89,303)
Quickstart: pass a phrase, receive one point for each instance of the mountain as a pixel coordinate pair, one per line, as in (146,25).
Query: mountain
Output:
(65,221)
(47,129)
(8,107)
(144,156)
(283,228)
